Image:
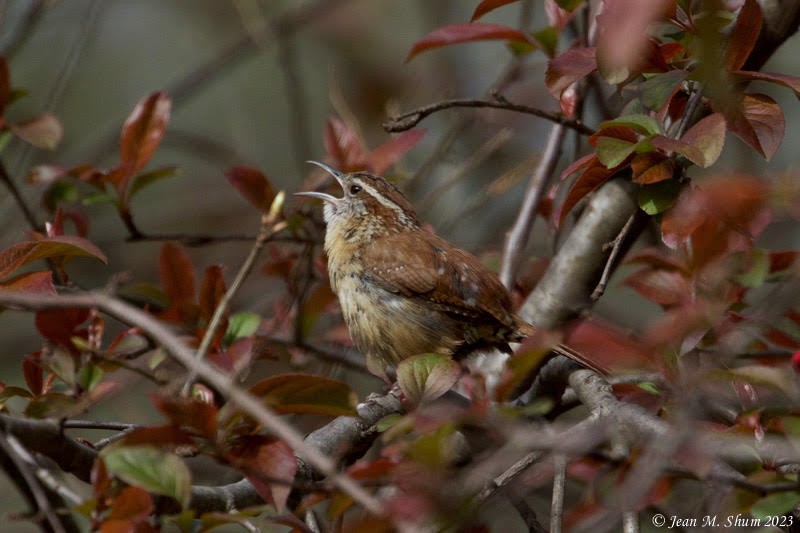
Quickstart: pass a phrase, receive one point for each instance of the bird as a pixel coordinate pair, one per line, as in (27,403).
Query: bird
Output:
(402,289)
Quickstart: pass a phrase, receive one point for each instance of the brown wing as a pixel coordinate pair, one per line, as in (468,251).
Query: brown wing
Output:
(432,269)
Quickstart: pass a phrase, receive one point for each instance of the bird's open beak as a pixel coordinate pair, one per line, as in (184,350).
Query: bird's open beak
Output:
(321,195)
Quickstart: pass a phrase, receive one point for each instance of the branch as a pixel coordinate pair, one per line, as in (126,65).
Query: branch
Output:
(225,384)
(408,120)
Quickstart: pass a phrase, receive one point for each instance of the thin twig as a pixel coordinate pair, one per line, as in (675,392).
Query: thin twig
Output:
(559,481)
(160,333)
(18,198)
(42,474)
(42,503)
(509,475)
(408,120)
(517,238)
(268,227)
(616,246)
(96,424)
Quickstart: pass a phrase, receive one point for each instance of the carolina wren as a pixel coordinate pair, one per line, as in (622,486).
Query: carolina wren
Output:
(403,290)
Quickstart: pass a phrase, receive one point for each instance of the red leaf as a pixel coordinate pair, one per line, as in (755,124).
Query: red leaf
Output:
(189,412)
(303,393)
(42,131)
(166,436)
(23,253)
(264,460)
(387,154)
(133,503)
(791,82)
(580,164)
(212,289)
(651,168)
(702,144)
(744,35)
(38,282)
(253,185)
(664,287)
(488,5)
(59,325)
(177,274)
(779,261)
(569,67)
(593,177)
(33,373)
(5,85)
(143,130)
(466,33)
(608,346)
(344,146)
(759,122)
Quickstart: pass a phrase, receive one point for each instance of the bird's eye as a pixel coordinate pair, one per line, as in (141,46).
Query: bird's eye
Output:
(355,189)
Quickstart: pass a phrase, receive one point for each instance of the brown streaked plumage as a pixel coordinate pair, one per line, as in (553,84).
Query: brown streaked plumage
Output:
(403,290)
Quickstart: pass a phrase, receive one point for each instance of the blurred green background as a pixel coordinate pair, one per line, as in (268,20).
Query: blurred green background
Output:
(253,83)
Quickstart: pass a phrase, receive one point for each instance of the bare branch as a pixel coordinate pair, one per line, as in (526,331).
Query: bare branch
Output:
(408,120)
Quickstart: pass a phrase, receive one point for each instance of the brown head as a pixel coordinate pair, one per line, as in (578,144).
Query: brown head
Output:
(370,205)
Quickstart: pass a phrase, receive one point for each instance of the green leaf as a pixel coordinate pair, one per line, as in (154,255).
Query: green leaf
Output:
(658,197)
(148,178)
(425,377)
(89,376)
(4,138)
(775,504)
(99,198)
(241,325)
(152,469)
(569,5)
(649,386)
(758,272)
(657,90)
(612,152)
(548,40)
(303,393)
(641,123)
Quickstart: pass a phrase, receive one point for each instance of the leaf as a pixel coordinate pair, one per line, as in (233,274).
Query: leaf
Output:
(148,178)
(659,89)
(758,270)
(264,460)
(664,287)
(465,33)
(387,154)
(658,197)
(38,282)
(791,82)
(775,505)
(143,130)
(612,152)
(42,131)
(638,122)
(651,167)
(759,122)
(5,85)
(59,325)
(702,144)
(488,5)
(241,325)
(133,503)
(253,185)
(303,393)
(177,274)
(212,289)
(567,68)
(152,469)
(343,145)
(425,377)
(592,177)
(189,412)
(23,253)
(744,35)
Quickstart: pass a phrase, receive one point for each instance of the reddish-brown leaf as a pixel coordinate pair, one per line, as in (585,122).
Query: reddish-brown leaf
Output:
(39,282)
(744,35)
(264,461)
(580,164)
(59,325)
(610,347)
(790,82)
(177,274)
(593,177)
(33,373)
(489,5)
(387,154)
(189,412)
(759,122)
(23,253)
(304,393)
(779,261)
(5,85)
(166,436)
(133,503)
(344,146)
(42,131)
(143,130)
(702,144)
(466,33)
(569,67)
(651,168)
(664,287)
(253,185)
(212,289)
